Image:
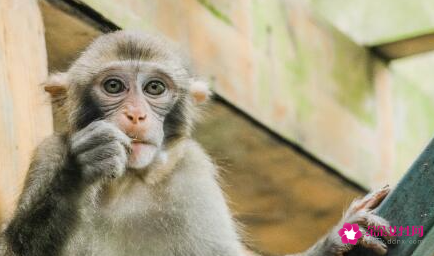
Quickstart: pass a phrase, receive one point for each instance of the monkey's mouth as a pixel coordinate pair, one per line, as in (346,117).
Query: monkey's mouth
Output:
(135,140)
(139,140)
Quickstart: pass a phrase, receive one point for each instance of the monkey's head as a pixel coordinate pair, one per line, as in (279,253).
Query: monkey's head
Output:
(140,83)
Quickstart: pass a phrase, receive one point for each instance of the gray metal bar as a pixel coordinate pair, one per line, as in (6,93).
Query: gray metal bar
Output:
(426,248)
(411,203)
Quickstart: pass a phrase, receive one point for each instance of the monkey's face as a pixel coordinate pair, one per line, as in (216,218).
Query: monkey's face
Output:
(138,82)
(138,98)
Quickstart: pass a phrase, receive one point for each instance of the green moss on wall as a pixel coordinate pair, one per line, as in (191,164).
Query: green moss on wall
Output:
(216,12)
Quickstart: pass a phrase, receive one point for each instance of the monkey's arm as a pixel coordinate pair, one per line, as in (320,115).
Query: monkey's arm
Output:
(47,208)
(60,173)
(359,212)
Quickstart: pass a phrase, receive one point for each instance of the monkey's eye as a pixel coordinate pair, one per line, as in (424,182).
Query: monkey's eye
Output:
(154,88)
(114,86)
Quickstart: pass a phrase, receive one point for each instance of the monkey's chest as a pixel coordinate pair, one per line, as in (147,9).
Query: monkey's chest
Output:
(140,222)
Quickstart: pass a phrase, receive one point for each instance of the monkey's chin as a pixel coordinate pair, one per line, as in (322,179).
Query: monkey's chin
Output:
(141,156)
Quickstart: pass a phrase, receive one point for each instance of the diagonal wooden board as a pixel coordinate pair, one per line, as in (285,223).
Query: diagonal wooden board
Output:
(411,204)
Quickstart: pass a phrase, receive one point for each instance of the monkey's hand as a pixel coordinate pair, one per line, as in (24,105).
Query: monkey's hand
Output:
(359,217)
(100,150)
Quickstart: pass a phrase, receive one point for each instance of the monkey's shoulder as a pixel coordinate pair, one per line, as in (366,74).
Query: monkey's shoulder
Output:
(196,160)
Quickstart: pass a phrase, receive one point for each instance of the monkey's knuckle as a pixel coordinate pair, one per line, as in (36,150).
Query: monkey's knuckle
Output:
(113,149)
(359,217)
(121,157)
(356,204)
(376,220)
(96,127)
(109,128)
(77,143)
(119,165)
(74,150)
(102,136)
(99,124)
(118,150)
(81,159)
(116,168)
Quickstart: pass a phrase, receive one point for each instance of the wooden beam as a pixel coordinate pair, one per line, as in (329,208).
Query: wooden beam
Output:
(25,110)
(60,26)
(405,48)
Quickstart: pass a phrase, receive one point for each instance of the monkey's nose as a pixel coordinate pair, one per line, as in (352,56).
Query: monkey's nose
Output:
(135,117)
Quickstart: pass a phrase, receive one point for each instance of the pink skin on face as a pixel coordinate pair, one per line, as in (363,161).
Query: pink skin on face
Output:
(135,110)
(134,121)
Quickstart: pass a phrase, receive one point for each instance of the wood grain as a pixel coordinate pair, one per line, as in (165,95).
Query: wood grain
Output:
(25,112)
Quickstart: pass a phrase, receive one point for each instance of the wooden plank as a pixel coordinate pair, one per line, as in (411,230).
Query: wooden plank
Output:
(25,111)
(410,204)
(371,22)
(60,27)
(406,47)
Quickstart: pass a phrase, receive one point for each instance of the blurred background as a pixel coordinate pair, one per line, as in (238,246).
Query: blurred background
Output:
(317,101)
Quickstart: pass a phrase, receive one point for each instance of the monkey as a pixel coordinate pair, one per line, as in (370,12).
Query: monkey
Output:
(126,177)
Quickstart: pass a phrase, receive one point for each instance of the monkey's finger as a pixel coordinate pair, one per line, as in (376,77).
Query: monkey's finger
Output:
(114,133)
(87,142)
(374,244)
(106,133)
(108,168)
(377,197)
(368,220)
(371,200)
(89,137)
(90,128)
(103,152)
(377,221)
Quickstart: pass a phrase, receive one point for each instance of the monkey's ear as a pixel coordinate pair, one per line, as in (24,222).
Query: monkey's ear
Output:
(56,84)
(200,91)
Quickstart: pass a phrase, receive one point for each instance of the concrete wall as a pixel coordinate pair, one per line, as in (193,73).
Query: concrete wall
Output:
(373,22)
(413,104)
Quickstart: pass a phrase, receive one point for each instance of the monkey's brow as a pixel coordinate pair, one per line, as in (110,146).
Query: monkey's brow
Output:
(147,67)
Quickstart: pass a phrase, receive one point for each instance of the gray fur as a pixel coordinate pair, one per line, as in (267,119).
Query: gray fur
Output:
(101,150)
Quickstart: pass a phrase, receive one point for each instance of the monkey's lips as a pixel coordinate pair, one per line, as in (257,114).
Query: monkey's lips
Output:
(142,153)
(135,140)
(139,145)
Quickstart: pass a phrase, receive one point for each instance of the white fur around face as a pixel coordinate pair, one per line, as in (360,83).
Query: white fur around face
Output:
(200,91)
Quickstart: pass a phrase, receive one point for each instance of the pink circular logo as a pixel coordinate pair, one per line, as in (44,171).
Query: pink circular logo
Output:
(350,233)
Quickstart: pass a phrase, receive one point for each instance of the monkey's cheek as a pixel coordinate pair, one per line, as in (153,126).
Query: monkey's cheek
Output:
(141,155)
